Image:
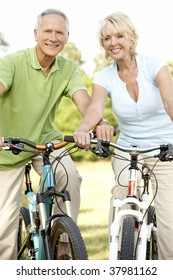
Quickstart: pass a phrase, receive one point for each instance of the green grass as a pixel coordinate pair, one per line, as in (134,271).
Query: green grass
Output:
(95,196)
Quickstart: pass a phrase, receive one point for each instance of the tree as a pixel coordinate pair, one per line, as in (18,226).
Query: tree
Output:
(70,51)
(100,62)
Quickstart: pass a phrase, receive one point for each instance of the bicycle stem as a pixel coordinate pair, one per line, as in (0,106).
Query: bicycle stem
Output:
(133,177)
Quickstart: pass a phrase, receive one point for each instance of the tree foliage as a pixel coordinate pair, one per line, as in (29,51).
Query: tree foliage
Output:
(100,62)
(70,51)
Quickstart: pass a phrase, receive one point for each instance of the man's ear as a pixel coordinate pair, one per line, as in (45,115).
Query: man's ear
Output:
(67,37)
(35,34)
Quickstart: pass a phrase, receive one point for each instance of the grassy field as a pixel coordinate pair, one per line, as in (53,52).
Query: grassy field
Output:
(95,195)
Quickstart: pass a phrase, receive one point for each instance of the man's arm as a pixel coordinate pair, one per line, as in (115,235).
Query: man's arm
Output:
(82,100)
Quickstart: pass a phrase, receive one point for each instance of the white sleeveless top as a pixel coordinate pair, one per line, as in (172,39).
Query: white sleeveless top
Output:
(145,123)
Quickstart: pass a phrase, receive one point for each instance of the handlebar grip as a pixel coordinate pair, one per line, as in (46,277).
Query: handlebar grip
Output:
(69,138)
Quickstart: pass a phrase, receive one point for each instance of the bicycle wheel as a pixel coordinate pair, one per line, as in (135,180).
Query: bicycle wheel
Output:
(128,238)
(25,248)
(152,249)
(77,249)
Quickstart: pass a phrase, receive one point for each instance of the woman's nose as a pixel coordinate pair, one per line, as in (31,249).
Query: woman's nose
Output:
(113,40)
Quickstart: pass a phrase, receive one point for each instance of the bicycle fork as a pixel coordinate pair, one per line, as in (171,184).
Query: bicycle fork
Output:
(114,242)
(138,210)
(34,220)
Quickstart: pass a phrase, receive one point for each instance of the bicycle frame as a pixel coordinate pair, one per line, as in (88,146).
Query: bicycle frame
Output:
(42,204)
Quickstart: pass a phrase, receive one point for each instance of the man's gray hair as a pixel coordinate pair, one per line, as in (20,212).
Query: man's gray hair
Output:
(51,12)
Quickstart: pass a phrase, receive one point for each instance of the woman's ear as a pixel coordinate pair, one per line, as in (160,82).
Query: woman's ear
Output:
(131,42)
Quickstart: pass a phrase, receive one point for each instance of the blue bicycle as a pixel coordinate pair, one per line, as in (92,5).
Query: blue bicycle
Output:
(40,231)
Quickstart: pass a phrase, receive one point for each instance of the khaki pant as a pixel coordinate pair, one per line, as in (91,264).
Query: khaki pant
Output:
(11,186)
(163,201)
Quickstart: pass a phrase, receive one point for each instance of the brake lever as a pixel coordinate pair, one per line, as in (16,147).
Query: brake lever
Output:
(14,146)
(169,154)
(166,153)
(101,149)
(16,149)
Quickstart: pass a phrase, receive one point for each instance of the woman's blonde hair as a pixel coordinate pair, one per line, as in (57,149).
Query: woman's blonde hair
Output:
(125,27)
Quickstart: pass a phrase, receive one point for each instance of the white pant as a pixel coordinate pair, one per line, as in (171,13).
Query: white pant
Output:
(163,201)
(11,186)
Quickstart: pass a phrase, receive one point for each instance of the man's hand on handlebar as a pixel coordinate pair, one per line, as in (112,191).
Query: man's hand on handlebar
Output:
(103,131)
(82,139)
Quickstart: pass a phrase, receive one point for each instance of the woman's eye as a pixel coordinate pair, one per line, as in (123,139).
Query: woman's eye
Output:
(106,38)
(119,36)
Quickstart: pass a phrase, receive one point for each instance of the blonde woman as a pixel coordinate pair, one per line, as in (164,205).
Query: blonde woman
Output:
(141,90)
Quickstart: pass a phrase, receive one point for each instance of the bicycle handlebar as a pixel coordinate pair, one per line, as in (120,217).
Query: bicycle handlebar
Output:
(102,147)
(14,143)
(166,150)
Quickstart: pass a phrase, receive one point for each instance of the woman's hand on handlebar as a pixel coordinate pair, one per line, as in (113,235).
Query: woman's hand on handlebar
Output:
(104,131)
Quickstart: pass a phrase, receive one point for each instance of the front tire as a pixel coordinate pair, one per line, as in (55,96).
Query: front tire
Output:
(128,239)
(77,249)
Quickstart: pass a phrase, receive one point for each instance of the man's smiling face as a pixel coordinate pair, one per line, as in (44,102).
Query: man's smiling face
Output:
(52,35)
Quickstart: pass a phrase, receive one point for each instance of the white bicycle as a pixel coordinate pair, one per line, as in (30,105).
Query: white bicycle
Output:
(133,231)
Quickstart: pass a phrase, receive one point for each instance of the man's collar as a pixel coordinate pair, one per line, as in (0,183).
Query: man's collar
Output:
(35,63)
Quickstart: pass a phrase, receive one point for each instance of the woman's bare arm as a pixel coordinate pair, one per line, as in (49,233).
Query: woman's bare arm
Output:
(165,83)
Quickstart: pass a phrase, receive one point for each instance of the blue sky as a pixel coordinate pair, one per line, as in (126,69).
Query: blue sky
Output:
(152,19)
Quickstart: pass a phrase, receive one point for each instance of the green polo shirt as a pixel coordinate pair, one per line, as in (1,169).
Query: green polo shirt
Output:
(29,104)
